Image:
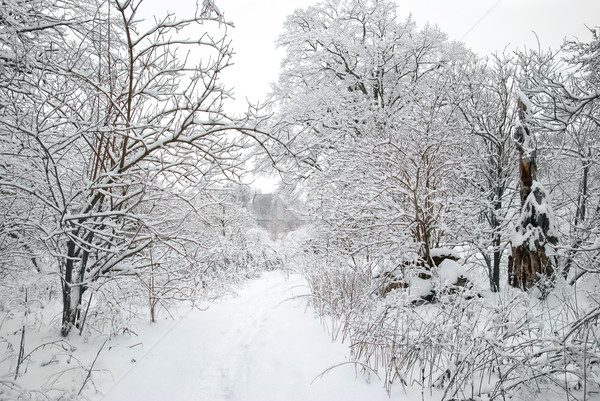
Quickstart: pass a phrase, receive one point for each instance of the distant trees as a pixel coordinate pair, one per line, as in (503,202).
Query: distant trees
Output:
(212,247)
(107,123)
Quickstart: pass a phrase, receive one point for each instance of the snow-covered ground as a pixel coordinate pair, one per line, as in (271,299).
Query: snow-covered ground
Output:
(261,344)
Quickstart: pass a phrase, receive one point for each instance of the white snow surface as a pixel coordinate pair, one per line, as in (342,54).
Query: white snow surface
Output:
(420,287)
(449,271)
(260,345)
(433,252)
(525,100)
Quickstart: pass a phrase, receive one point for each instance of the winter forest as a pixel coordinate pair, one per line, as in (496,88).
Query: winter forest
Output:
(435,232)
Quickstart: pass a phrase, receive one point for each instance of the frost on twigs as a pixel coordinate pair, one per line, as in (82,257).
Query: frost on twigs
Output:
(209,8)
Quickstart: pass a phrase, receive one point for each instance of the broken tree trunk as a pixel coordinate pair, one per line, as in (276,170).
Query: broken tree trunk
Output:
(529,263)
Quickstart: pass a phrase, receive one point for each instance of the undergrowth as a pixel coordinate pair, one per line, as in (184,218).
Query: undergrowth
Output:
(468,344)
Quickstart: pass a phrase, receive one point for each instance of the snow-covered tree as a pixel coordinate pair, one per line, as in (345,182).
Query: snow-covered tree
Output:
(363,99)
(105,120)
(486,100)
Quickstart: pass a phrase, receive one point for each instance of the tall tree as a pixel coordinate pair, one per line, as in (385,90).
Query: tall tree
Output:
(486,100)
(363,97)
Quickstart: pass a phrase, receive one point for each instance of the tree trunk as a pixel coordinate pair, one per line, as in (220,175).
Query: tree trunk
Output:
(72,288)
(526,267)
(69,315)
(580,216)
(529,262)
(495,276)
(496,238)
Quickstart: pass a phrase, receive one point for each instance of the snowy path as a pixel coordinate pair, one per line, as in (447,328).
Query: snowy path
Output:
(253,347)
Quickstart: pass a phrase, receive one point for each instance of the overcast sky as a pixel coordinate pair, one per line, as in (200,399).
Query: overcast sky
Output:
(259,23)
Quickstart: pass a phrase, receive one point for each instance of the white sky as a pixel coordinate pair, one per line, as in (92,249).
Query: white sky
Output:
(486,26)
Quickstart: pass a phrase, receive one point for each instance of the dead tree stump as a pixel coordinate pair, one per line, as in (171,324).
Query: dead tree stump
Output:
(529,262)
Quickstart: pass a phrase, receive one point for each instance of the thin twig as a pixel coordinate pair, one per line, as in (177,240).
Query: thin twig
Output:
(91,367)
(367,367)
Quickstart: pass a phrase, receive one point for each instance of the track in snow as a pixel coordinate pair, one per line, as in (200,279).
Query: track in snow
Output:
(257,346)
